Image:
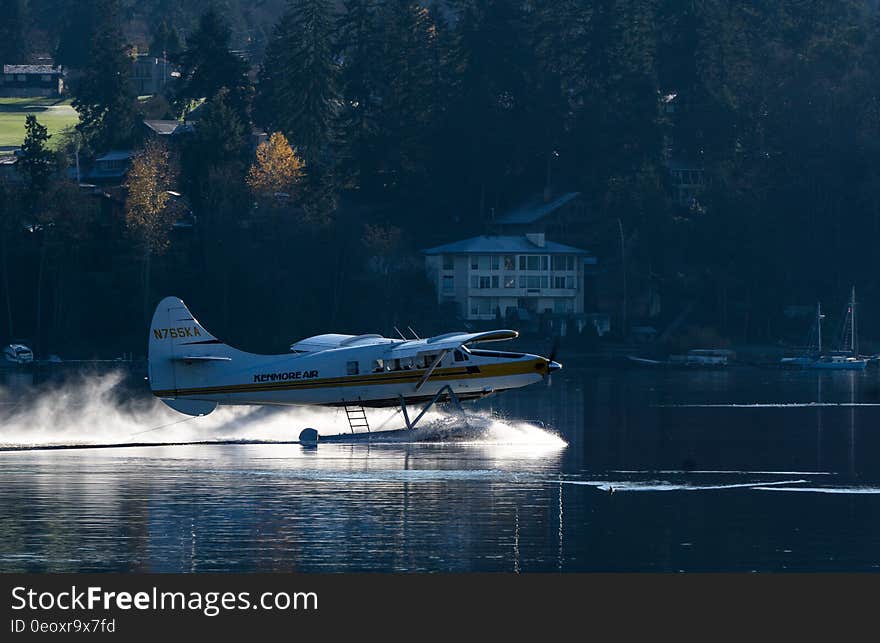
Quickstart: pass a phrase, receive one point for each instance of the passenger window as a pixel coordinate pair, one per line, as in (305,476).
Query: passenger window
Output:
(378,366)
(351,368)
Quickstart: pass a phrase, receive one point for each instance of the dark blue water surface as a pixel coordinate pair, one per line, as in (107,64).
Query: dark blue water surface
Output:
(733,470)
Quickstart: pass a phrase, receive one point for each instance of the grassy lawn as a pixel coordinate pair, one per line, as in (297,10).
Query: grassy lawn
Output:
(54,113)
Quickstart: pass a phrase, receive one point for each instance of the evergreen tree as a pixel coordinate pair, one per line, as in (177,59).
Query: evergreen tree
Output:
(165,41)
(360,51)
(76,32)
(220,141)
(14,45)
(494,68)
(36,163)
(103,96)
(297,83)
(207,65)
(408,94)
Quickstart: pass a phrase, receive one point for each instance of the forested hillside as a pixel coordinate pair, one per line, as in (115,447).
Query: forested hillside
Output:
(406,125)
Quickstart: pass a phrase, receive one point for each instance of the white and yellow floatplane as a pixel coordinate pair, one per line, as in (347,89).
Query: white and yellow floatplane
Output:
(193,372)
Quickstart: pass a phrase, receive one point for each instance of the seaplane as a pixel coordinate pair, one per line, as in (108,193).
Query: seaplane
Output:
(193,372)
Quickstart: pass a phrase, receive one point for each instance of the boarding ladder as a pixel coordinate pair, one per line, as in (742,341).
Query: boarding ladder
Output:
(357,417)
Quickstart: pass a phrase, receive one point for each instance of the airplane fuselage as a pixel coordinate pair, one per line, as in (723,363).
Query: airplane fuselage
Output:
(356,375)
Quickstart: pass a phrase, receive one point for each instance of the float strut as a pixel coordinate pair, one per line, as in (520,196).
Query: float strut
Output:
(405,414)
(411,424)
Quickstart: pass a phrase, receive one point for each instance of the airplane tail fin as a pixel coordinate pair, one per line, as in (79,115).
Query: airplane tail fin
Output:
(181,354)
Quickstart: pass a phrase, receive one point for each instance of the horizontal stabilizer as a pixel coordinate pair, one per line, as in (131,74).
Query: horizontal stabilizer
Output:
(191,407)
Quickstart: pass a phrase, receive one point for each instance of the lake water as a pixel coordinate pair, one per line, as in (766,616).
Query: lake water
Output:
(604,470)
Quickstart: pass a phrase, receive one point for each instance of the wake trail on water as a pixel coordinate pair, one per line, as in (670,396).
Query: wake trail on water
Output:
(657,485)
(98,410)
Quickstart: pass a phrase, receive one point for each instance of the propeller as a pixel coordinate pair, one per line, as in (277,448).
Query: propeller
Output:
(552,364)
(554,349)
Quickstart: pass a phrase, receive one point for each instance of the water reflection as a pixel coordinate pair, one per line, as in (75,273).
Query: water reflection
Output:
(694,487)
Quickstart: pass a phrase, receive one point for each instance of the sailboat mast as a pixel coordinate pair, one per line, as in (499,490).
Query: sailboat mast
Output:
(819,324)
(852,308)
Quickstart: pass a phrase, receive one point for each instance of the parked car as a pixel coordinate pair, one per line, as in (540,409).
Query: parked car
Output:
(18,354)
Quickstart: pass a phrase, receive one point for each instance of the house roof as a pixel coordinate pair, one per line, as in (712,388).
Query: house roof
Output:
(504,245)
(30,69)
(536,209)
(168,127)
(162,127)
(115,155)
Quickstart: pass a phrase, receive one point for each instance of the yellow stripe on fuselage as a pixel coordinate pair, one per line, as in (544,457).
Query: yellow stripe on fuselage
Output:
(372,379)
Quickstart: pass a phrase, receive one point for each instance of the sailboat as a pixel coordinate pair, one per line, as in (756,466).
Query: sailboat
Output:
(847,358)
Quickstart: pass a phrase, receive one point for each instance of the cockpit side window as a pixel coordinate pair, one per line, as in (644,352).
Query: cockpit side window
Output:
(460,356)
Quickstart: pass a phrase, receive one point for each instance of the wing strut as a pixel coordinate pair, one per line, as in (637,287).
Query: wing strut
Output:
(430,370)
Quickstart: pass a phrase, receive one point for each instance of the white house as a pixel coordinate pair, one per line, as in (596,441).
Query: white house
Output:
(491,275)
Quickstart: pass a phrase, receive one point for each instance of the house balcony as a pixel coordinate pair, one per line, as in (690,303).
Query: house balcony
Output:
(522,292)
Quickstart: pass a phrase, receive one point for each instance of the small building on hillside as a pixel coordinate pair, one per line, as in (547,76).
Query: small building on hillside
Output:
(688,181)
(29,81)
(490,276)
(150,74)
(110,168)
(8,173)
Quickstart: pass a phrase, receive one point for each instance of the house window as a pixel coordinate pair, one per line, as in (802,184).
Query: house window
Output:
(448,283)
(509,281)
(559,282)
(21,78)
(494,281)
(448,262)
(569,282)
(480,262)
(494,262)
(532,282)
(351,368)
(533,262)
(475,281)
(509,262)
(485,282)
(562,262)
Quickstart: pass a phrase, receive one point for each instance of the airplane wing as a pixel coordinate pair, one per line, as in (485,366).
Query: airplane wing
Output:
(451,341)
(454,340)
(319,343)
